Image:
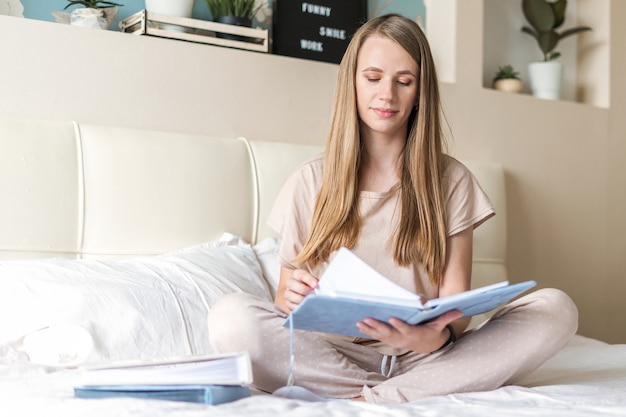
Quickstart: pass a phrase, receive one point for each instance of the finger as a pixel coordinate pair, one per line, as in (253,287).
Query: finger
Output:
(298,287)
(374,328)
(438,322)
(306,278)
(400,325)
(291,305)
(443,320)
(298,290)
(449,317)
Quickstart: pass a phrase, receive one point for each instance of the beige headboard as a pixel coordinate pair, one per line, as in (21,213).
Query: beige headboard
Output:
(78,190)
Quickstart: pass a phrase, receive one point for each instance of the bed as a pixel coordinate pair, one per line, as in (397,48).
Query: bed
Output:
(115,242)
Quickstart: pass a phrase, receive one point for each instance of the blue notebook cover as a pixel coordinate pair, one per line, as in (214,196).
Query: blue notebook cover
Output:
(205,394)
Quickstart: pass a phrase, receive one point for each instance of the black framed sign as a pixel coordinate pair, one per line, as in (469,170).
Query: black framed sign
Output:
(316,29)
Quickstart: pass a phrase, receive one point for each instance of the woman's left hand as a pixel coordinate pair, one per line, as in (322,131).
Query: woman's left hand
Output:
(430,336)
(422,338)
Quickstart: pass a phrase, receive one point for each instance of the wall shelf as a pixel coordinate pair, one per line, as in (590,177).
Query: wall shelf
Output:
(585,56)
(194,30)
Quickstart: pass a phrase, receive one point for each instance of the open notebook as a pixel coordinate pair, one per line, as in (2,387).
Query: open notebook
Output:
(350,290)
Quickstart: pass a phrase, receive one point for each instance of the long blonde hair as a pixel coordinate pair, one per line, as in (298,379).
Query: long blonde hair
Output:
(421,233)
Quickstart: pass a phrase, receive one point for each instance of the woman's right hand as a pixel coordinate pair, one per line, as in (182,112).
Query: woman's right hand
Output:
(294,285)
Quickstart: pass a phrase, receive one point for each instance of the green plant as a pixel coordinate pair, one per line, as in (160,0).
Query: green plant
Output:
(506,72)
(239,8)
(545,17)
(92,4)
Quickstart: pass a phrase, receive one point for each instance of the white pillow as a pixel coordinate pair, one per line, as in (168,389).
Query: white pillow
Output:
(144,307)
(267,253)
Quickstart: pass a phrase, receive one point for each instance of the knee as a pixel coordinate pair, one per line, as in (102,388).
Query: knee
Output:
(555,305)
(230,321)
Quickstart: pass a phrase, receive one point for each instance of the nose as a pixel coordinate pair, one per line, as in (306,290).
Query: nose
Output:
(387,90)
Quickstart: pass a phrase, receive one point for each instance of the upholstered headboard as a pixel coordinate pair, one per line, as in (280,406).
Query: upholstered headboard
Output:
(84,191)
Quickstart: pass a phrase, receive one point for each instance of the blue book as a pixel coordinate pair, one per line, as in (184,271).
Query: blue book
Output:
(350,290)
(205,394)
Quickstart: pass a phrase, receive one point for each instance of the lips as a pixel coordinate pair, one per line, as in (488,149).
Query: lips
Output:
(385,113)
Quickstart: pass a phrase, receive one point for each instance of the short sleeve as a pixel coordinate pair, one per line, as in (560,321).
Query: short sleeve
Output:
(292,211)
(467,203)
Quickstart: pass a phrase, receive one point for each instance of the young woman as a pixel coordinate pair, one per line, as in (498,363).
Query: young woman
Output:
(386,190)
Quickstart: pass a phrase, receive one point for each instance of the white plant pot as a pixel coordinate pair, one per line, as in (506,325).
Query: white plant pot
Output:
(12,8)
(181,8)
(545,79)
(87,17)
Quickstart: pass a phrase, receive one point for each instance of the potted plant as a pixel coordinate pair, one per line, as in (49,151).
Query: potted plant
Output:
(507,79)
(233,12)
(97,14)
(544,18)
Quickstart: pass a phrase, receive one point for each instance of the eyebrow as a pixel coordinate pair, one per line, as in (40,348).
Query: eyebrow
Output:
(402,72)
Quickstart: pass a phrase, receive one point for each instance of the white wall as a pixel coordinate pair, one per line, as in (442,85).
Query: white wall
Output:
(63,72)
(442,36)
(594,48)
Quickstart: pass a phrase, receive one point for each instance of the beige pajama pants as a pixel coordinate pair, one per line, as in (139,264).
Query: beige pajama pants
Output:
(510,345)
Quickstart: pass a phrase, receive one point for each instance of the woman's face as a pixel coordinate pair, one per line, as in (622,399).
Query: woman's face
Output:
(386,88)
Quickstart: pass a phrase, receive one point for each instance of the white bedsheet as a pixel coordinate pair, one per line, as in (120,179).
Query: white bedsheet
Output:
(587,378)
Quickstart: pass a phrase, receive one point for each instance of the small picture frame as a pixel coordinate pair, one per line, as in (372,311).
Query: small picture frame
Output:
(319,30)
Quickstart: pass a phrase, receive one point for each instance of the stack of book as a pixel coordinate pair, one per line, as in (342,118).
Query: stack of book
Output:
(213,379)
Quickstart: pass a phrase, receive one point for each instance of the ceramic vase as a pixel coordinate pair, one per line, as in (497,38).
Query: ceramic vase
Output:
(180,8)
(545,79)
(11,8)
(509,85)
(88,17)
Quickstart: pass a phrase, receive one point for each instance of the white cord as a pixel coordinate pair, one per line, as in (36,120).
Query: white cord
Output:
(291,352)
(383,365)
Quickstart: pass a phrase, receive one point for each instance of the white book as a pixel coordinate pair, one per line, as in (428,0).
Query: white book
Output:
(221,369)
